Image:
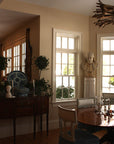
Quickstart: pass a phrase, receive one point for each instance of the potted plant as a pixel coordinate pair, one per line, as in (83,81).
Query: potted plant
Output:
(3,64)
(42,87)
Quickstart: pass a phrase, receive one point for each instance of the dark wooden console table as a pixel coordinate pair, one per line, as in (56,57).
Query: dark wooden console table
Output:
(24,106)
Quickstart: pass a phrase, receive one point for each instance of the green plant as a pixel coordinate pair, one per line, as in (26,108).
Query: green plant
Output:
(3,63)
(67,92)
(42,87)
(111,81)
(41,62)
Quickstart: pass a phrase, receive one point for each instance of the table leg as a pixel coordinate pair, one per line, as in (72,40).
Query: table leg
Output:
(14,130)
(34,126)
(47,123)
(41,123)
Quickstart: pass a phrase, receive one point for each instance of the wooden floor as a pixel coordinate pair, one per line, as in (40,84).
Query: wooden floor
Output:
(41,138)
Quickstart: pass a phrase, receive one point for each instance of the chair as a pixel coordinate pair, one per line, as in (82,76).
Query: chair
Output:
(108,98)
(85,102)
(69,134)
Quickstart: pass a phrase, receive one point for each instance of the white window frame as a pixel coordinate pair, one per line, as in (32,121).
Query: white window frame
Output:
(78,49)
(100,37)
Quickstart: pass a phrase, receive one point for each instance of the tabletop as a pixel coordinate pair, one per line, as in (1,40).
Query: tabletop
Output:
(103,118)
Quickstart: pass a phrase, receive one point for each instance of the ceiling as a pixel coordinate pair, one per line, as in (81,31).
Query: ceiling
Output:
(11,20)
(85,7)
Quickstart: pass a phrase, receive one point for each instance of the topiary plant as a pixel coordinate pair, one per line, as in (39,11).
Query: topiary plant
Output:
(42,87)
(41,62)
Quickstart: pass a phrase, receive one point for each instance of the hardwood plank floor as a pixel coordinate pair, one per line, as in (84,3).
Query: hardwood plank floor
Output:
(41,138)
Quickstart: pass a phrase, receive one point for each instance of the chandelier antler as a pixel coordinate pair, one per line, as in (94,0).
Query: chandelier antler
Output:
(104,14)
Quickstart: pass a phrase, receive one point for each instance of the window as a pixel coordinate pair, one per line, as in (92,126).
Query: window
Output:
(105,71)
(65,65)
(16,57)
(108,65)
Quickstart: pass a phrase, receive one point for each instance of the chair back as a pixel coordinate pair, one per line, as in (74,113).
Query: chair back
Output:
(67,123)
(108,98)
(85,102)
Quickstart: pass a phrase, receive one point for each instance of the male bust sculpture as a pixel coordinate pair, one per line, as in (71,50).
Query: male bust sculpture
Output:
(89,66)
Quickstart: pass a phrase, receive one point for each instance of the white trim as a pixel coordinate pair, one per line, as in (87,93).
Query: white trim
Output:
(99,61)
(71,34)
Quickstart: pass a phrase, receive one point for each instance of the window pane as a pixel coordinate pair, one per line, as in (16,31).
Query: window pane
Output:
(71,69)
(112,59)
(112,44)
(105,82)
(71,58)
(106,70)
(23,59)
(58,42)
(71,43)
(58,69)
(65,92)
(59,92)
(65,81)
(105,45)
(14,61)
(14,49)
(71,92)
(106,59)
(72,81)
(18,49)
(9,63)
(18,68)
(111,90)
(4,53)
(58,81)
(8,70)
(64,69)
(58,57)
(64,42)
(23,48)
(3,72)
(106,90)
(112,70)
(18,61)
(23,69)
(111,81)
(64,58)
(9,53)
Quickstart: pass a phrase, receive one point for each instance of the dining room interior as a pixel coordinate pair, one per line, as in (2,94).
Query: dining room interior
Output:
(56,54)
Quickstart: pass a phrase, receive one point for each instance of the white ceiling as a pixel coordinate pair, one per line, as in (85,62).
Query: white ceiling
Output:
(85,7)
(11,20)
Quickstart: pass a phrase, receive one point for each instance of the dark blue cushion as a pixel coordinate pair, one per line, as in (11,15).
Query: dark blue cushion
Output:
(89,128)
(82,137)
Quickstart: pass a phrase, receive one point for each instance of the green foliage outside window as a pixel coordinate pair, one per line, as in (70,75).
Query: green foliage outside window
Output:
(68,92)
(111,81)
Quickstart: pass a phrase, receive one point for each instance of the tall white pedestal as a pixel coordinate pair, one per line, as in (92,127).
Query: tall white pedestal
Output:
(89,87)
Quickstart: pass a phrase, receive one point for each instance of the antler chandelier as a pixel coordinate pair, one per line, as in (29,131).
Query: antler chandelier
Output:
(104,14)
